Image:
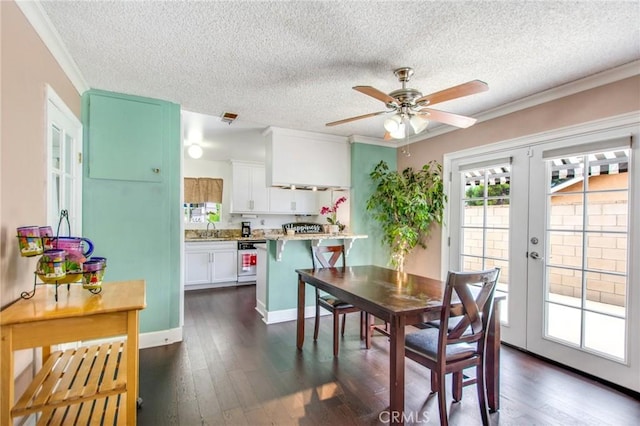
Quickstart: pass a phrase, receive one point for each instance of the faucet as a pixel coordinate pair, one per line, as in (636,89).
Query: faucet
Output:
(214,228)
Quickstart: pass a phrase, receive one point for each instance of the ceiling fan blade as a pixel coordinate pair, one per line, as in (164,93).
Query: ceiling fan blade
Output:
(448,118)
(464,89)
(375,93)
(346,120)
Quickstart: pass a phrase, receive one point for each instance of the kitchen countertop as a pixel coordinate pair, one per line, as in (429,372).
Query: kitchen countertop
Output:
(283,237)
(281,240)
(212,239)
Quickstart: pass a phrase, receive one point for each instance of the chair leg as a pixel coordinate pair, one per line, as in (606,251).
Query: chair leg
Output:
(336,321)
(344,321)
(317,323)
(456,384)
(482,393)
(434,382)
(442,400)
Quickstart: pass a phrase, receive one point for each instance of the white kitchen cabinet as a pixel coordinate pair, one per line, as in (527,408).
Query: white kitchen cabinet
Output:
(210,263)
(249,189)
(287,201)
(307,159)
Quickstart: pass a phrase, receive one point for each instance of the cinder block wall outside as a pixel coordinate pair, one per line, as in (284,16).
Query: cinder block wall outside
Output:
(606,250)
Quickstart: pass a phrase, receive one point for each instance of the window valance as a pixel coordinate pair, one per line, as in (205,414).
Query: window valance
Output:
(203,190)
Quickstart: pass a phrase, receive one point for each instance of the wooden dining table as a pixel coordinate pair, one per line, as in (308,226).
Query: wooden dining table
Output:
(400,299)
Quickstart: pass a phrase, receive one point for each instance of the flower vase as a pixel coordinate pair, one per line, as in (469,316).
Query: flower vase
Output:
(334,229)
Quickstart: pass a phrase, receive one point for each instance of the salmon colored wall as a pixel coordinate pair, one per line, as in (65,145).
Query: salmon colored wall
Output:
(598,103)
(27,67)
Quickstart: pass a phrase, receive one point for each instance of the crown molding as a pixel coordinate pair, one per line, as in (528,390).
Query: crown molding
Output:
(610,76)
(373,141)
(41,23)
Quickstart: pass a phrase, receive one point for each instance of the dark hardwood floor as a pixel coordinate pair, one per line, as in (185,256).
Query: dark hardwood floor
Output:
(233,369)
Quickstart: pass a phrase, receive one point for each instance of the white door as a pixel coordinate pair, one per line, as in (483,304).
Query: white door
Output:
(64,167)
(555,215)
(487,208)
(579,252)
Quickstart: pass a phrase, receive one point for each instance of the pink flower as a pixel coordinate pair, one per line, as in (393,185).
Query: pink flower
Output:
(332,211)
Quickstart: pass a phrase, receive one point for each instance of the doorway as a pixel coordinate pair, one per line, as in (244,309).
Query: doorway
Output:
(554,214)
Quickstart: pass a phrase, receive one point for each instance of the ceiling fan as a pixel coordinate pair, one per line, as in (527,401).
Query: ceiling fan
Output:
(412,109)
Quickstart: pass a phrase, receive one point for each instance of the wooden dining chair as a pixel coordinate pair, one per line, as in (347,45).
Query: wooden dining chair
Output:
(452,349)
(327,257)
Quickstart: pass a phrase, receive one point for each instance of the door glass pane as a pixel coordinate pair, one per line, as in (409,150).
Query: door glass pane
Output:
(55,197)
(567,174)
(566,211)
(564,323)
(605,334)
(607,211)
(67,193)
(564,249)
(55,147)
(586,251)
(564,286)
(485,223)
(68,151)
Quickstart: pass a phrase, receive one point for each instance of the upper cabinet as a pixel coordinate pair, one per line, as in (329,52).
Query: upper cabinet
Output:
(125,137)
(307,159)
(249,190)
(288,201)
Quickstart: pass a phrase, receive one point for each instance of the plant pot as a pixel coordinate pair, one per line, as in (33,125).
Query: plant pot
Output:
(334,229)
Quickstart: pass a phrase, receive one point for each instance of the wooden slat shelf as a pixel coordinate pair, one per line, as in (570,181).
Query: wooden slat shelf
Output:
(74,376)
(104,412)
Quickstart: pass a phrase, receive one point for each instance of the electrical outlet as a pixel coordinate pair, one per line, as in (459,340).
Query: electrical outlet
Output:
(261,221)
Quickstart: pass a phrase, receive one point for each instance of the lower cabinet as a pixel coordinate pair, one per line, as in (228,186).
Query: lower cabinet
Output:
(210,264)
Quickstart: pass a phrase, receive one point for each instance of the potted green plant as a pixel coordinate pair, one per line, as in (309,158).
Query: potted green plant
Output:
(406,204)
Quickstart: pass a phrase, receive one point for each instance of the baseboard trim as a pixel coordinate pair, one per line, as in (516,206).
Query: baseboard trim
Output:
(160,338)
(261,308)
(274,317)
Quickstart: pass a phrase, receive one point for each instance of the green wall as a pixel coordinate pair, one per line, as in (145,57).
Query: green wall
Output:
(131,202)
(364,157)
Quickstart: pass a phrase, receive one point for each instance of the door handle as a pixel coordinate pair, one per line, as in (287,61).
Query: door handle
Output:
(534,255)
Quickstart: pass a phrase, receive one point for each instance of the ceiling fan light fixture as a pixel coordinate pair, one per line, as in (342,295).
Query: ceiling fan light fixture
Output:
(418,123)
(392,124)
(400,133)
(195,151)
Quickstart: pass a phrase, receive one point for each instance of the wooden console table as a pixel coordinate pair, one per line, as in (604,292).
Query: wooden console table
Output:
(77,385)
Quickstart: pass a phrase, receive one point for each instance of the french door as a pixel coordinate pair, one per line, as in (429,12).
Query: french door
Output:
(556,216)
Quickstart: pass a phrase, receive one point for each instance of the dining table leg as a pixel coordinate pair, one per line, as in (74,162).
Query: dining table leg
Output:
(492,359)
(396,370)
(301,305)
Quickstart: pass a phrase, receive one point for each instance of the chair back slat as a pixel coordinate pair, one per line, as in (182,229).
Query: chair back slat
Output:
(475,310)
(327,256)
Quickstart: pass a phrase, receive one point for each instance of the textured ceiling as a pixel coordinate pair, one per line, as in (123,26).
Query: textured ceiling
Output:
(293,64)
